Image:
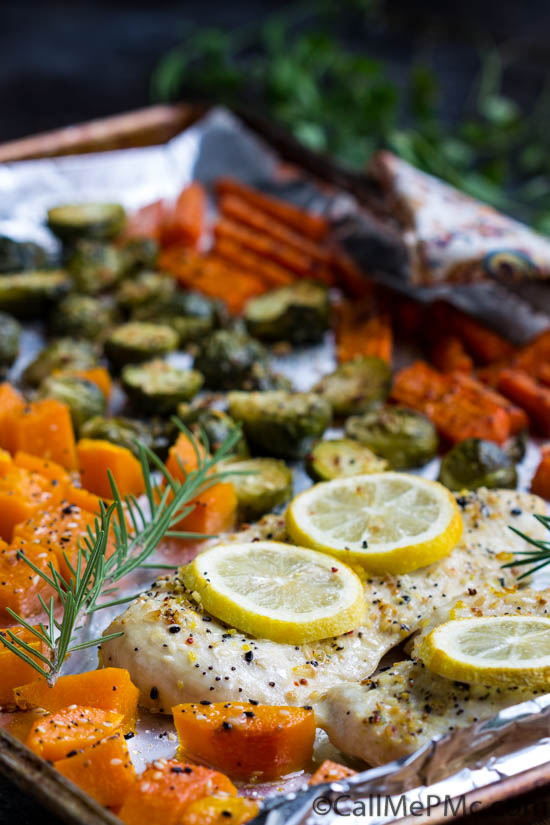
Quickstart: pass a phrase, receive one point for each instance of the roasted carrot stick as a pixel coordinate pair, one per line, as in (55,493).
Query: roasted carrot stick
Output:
(184,222)
(358,333)
(534,353)
(419,385)
(146,222)
(273,274)
(448,354)
(483,395)
(281,253)
(458,417)
(313,226)
(528,394)
(540,484)
(237,209)
(485,345)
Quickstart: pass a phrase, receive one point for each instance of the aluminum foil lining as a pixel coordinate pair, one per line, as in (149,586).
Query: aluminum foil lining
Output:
(460,763)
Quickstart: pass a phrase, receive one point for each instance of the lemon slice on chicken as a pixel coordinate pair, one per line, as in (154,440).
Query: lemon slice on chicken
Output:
(276,591)
(491,650)
(387,522)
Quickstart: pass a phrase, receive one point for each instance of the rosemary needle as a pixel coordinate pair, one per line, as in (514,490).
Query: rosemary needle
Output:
(537,557)
(136,529)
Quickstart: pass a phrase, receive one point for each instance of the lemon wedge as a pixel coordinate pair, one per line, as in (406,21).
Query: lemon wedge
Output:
(507,651)
(277,591)
(387,522)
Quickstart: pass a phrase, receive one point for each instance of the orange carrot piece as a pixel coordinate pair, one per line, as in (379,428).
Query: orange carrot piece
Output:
(184,223)
(458,418)
(237,209)
(306,223)
(214,511)
(540,485)
(247,741)
(147,222)
(20,586)
(419,385)
(449,354)
(44,467)
(527,393)
(484,395)
(183,457)
(84,500)
(104,770)
(485,345)
(330,771)
(213,810)
(12,405)
(360,333)
(67,730)
(287,256)
(6,462)
(22,494)
(543,374)
(96,457)
(109,688)
(44,428)
(166,788)
(13,670)
(273,274)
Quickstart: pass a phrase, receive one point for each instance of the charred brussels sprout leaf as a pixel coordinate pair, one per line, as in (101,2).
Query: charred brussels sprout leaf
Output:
(215,424)
(83,398)
(282,423)
(126,432)
(100,221)
(298,313)
(95,266)
(356,386)
(142,296)
(63,354)
(29,294)
(261,484)
(159,387)
(342,457)
(83,316)
(477,463)
(135,342)
(405,438)
(228,360)
(10,333)
(155,297)
(16,256)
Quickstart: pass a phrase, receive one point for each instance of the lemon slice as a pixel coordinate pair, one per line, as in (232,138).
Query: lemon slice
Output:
(491,650)
(277,591)
(387,522)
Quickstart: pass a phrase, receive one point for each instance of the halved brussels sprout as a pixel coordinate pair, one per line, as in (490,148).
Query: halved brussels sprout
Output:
(83,316)
(139,253)
(126,432)
(83,398)
(135,342)
(228,359)
(405,438)
(281,423)
(95,266)
(215,424)
(159,387)
(261,484)
(63,354)
(298,313)
(516,447)
(86,220)
(141,296)
(17,256)
(10,332)
(356,386)
(342,457)
(29,294)
(155,297)
(475,463)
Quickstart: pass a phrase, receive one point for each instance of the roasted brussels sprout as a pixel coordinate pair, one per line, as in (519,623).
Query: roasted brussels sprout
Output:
(10,332)
(83,398)
(405,438)
(126,432)
(356,386)
(95,266)
(342,457)
(215,424)
(17,256)
(281,423)
(516,447)
(159,387)
(29,294)
(63,354)
(191,314)
(134,342)
(261,484)
(86,220)
(228,360)
(142,296)
(83,316)
(298,313)
(139,253)
(477,463)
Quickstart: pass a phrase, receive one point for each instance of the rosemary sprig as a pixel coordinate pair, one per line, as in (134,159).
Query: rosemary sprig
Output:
(538,557)
(95,576)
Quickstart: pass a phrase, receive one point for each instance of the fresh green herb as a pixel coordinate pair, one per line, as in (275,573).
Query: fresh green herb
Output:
(137,529)
(296,66)
(536,558)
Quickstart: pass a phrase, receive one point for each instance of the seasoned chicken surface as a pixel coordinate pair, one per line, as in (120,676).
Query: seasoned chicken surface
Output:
(177,653)
(402,708)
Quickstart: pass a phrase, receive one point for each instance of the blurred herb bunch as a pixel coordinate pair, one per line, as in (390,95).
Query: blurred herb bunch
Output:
(302,74)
